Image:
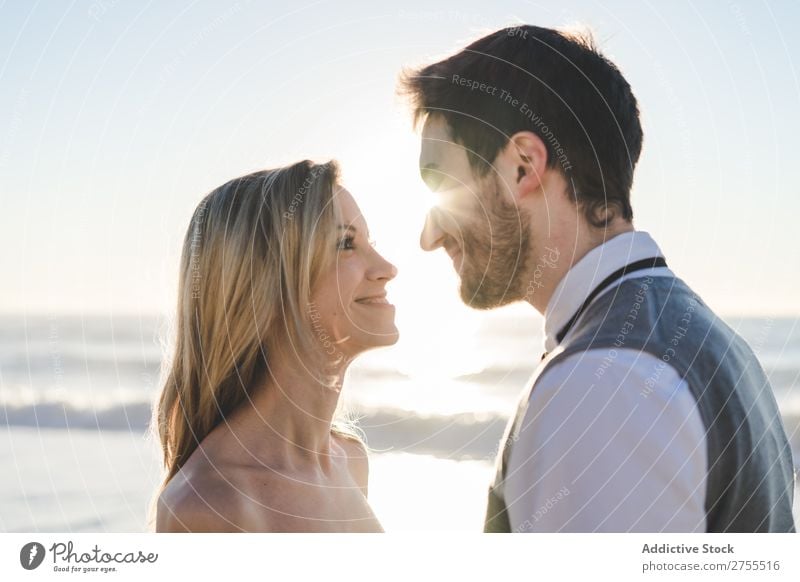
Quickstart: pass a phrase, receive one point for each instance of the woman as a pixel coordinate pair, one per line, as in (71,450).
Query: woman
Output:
(280,289)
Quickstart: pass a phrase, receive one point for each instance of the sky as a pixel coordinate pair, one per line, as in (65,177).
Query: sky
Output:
(117,117)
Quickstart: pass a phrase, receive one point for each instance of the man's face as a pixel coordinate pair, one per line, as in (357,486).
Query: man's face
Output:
(475,220)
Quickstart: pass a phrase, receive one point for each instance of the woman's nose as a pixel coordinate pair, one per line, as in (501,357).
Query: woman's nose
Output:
(432,236)
(383,269)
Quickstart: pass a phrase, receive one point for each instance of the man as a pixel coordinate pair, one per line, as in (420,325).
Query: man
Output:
(647,413)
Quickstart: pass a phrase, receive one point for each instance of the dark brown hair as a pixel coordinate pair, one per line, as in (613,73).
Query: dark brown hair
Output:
(552,83)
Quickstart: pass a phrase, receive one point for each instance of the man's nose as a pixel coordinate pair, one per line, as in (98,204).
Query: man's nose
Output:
(432,236)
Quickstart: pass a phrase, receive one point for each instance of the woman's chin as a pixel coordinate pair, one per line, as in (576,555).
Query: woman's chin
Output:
(387,338)
(393,337)
(381,339)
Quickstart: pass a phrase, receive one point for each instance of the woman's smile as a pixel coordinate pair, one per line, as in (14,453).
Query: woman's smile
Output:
(378,300)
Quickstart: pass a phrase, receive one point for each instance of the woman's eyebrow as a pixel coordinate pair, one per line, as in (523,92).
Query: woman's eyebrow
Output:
(351,228)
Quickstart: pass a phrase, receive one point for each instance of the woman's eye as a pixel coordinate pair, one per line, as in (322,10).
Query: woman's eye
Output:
(346,244)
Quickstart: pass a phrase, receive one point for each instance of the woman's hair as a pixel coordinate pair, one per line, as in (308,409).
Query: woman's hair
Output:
(253,253)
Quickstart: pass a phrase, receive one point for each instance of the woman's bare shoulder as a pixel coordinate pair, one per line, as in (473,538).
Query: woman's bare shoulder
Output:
(225,497)
(197,501)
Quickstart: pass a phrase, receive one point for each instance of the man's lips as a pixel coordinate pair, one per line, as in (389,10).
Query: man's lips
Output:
(455,253)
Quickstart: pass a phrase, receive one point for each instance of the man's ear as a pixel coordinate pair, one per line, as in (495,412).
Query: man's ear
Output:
(528,154)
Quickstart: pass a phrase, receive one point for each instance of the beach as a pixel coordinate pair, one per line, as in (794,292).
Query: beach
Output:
(102,481)
(77,397)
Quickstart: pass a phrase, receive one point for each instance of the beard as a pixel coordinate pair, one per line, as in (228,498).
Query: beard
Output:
(495,253)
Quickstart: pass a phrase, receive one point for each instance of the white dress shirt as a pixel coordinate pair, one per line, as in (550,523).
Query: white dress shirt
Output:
(601,451)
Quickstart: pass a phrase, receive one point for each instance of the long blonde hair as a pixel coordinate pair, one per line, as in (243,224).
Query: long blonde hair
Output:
(252,255)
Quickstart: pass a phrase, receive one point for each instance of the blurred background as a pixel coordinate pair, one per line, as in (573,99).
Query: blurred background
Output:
(116,117)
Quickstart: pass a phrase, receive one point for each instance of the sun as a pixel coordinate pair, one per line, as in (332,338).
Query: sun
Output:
(437,331)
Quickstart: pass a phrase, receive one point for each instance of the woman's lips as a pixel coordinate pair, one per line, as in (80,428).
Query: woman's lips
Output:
(375,301)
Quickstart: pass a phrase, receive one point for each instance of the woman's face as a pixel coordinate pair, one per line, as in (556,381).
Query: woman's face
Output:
(350,312)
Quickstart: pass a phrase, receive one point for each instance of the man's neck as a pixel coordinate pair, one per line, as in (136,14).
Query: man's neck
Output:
(561,252)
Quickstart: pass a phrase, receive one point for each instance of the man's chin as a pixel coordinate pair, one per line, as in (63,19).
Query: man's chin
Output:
(476,298)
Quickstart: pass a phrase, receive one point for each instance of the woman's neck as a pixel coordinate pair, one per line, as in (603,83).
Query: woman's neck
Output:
(289,416)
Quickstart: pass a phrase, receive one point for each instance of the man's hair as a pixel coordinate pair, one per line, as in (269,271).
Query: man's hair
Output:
(552,83)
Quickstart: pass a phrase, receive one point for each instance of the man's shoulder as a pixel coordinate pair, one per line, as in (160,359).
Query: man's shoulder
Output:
(611,367)
(609,385)
(650,314)
(628,398)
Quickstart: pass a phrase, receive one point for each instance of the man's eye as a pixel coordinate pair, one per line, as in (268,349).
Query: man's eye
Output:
(346,244)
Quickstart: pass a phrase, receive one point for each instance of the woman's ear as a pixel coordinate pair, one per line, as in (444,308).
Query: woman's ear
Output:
(528,153)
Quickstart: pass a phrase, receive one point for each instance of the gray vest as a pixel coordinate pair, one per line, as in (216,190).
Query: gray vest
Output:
(750,481)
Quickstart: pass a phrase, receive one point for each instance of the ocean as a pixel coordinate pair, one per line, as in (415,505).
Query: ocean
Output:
(77,395)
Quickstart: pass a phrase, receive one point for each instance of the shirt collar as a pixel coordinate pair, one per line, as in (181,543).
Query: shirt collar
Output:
(587,273)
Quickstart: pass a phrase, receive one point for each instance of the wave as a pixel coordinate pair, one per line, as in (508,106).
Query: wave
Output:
(128,416)
(458,436)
